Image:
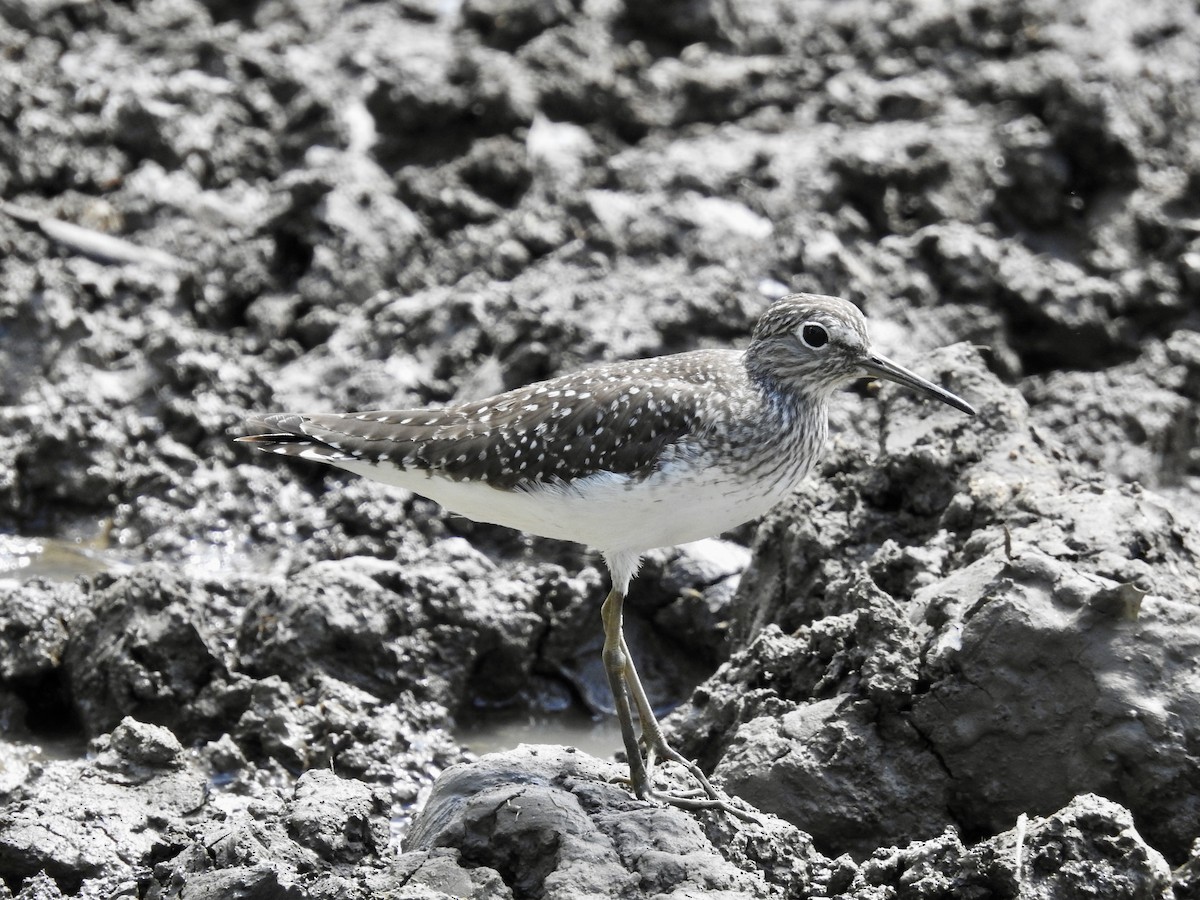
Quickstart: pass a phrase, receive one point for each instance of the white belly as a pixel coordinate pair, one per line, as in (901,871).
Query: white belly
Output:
(610,512)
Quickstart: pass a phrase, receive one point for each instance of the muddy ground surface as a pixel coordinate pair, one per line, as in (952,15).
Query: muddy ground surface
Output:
(962,661)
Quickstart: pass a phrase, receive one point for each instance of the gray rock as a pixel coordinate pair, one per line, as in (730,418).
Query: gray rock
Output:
(148,644)
(339,819)
(550,821)
(440,873)
(76,820)
(392,204)
(1090,848)
(997,652)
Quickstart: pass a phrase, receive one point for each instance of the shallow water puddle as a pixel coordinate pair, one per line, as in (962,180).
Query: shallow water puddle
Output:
(497,730)
(24,558)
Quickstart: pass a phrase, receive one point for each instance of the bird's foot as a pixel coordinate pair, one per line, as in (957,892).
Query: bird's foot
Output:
(706,796)
(628,693)
(693,801)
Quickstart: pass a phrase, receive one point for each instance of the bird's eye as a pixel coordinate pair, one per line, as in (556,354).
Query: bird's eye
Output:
(814,335)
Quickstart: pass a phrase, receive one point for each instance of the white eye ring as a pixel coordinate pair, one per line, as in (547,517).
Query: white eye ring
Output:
(814,336)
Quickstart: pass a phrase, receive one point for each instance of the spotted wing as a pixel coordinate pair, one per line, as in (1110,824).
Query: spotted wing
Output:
(558,430)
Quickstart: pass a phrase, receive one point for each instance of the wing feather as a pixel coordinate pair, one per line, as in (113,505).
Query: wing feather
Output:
(554,431)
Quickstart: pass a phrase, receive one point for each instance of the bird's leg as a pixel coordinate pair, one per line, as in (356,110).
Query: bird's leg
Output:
(652,736)
(656,745)
(626,685)
(617,665)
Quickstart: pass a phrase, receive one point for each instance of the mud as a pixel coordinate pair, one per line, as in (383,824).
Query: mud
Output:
(961,661)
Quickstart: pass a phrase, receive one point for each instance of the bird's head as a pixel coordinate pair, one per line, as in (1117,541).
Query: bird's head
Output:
(815,344)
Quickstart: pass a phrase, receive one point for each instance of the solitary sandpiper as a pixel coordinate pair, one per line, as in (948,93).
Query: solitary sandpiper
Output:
(624,457)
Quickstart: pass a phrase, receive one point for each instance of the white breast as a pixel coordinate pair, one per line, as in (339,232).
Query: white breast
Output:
(614,513)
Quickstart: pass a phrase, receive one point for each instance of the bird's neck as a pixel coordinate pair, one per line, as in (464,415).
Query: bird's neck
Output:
(797,412)
(786,396)
(796,423)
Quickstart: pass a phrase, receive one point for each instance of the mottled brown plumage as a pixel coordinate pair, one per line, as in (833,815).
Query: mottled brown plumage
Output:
(618,418)
(624,457)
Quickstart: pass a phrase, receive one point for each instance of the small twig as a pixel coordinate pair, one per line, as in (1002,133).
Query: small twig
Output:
(1022,822)
(88,242)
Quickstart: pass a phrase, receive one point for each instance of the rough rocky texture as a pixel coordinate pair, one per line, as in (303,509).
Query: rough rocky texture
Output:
(78,821)
(988,634)
(551,823)
(210,208)
(544,820)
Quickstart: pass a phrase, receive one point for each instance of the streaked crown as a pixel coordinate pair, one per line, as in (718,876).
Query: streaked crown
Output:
(808,345)
(815,342)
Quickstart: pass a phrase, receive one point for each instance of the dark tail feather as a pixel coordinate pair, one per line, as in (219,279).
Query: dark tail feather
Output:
(291,440)
(277,428)
(274,438)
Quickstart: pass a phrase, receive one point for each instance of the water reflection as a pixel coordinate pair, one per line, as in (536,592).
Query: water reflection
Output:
(490,731)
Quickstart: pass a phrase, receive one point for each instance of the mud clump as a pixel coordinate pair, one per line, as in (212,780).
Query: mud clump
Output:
(973,639)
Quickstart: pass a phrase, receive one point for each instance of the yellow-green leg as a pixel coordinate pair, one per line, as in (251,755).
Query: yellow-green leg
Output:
(616,664)
(626,687)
